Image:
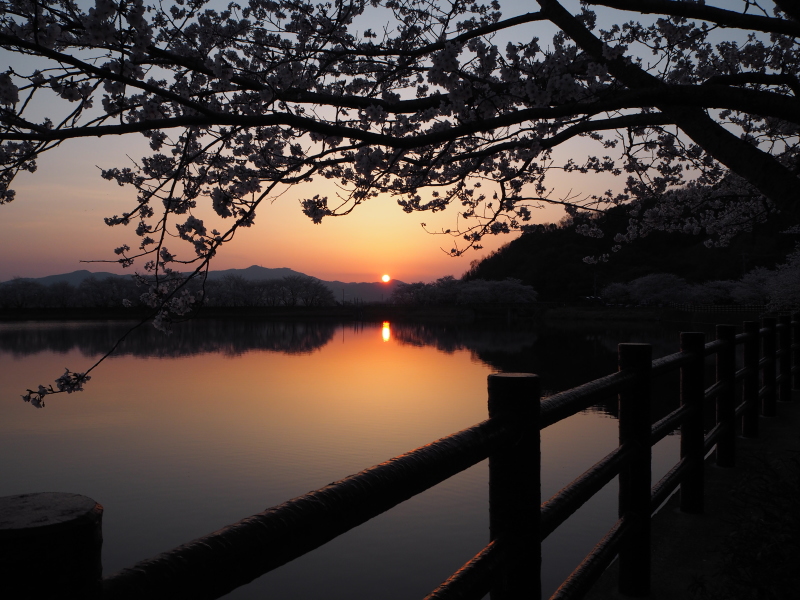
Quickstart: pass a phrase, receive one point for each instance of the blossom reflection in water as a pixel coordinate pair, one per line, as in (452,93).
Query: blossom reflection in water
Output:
(386,331)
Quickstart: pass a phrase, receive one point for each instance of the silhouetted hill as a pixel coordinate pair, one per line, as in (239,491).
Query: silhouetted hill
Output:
(75,278)
(255,273)
(550,258)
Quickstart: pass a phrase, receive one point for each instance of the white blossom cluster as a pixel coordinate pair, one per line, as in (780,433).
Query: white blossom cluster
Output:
(694,105)
(68,383)
(778,288)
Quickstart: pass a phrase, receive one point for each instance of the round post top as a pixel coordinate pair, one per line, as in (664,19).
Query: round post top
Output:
(512,375)
(44,510)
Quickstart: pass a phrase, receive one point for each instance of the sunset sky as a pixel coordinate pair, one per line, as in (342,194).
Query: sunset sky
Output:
(56,220)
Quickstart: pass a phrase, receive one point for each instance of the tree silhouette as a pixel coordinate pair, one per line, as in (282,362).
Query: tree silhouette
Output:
(239,103)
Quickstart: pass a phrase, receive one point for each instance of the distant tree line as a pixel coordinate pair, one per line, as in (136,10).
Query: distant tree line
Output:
(112,292)
(778,288)
(91,292)
(449,290)
(292,290)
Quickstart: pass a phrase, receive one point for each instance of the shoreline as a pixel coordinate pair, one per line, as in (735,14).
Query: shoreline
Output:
(545,313)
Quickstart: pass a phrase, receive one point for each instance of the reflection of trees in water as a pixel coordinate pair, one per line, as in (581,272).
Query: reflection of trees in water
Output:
(565,357)
(450,338)
(228,337)
(665,341)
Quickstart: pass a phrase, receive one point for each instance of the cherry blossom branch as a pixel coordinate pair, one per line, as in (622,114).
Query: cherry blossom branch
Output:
(706,95)
(696,10)
(62,57)
(789,7)
(758,167)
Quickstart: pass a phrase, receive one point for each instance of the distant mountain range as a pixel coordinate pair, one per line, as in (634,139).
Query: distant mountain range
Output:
(363,291)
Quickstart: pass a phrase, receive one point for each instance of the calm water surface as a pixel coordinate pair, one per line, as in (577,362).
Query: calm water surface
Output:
(178,436)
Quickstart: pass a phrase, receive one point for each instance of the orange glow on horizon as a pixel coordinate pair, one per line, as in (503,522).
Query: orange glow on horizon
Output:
(70,215)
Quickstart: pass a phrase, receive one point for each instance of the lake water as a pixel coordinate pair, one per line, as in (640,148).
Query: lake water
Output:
(178,436)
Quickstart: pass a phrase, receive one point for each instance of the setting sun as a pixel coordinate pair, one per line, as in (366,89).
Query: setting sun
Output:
(385,279)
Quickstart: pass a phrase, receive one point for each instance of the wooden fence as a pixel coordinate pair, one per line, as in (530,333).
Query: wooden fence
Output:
(509,566)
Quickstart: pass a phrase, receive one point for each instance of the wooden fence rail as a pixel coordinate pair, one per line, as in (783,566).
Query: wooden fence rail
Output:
(509,566)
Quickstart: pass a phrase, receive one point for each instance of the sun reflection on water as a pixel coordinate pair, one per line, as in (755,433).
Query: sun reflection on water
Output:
(386,331)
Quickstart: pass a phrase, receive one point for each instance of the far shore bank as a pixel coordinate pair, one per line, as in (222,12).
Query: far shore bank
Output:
(365,312)
(543,313)
(556,314)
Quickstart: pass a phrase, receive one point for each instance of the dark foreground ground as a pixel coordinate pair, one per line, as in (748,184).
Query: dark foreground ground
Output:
(748,542)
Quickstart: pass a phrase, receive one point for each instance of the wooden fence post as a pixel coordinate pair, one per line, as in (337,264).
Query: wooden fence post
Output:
(785,359)
(796,351)
(768,372)
(692,392)
(50,546)
(726,399)
(634,478)
(515,485)
(750,382)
